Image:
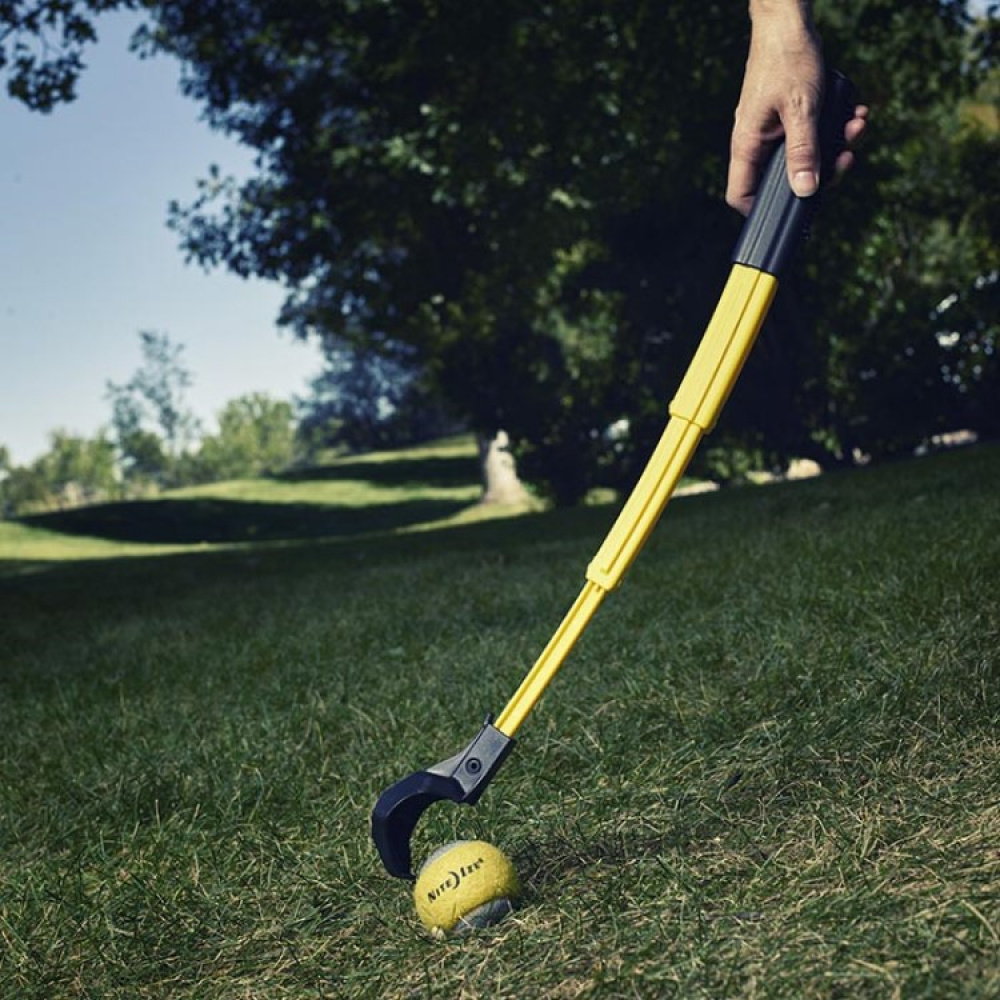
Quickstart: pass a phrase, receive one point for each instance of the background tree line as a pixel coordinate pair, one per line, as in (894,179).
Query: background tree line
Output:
(517,208)
(154,442)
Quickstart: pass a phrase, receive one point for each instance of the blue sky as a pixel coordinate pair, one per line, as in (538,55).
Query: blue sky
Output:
(86,260)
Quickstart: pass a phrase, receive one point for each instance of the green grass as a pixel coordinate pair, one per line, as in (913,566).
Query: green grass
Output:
(429,487)
(24,547)
(771,768)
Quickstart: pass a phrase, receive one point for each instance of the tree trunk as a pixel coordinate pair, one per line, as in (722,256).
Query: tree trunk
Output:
(500,479)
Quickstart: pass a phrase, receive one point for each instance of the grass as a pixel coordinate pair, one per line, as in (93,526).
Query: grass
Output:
(770,769)
(422,488)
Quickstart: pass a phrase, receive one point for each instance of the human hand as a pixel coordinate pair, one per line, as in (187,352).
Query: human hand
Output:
(781,99)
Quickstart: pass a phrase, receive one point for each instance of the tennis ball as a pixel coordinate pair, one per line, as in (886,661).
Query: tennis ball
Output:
(464,885)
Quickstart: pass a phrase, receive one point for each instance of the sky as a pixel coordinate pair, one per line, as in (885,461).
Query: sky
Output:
(87,261)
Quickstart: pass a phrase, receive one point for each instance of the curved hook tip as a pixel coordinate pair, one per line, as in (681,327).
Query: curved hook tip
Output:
(397,812)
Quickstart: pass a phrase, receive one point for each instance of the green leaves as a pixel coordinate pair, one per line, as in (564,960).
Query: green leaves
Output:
(429,170)
(42,45)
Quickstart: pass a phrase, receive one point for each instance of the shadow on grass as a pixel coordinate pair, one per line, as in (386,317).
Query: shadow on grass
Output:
(437,472)
(209,520)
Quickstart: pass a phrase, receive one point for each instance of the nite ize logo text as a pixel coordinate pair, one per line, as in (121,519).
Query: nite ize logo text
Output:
(454,879)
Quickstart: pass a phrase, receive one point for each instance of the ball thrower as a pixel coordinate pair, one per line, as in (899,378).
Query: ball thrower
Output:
(777,223)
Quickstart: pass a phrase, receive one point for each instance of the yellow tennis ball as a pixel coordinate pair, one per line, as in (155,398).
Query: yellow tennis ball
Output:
(463,885)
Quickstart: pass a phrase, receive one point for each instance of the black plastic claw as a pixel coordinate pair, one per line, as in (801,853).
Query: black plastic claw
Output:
(462,778)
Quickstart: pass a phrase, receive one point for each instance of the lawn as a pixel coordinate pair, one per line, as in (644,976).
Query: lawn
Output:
(381,493)
(771,768)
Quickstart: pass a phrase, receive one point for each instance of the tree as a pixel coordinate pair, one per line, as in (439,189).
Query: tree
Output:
(442,176)
(42,44)
(256,437)
(872,372)
(153,426)
(526,200)
(74,471)
(23,490)
(79,470)
(364,400)
(529,197)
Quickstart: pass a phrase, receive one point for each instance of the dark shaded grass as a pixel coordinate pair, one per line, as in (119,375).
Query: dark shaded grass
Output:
(440,471)
(194,520)
(771,769)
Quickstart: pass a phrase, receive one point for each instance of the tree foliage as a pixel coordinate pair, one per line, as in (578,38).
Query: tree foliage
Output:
(79,469)
(455,177)
(256,437)
(365,400)
(152,423)
(525,201)
(75,470)
(914,229)
(528,196)
(42,44)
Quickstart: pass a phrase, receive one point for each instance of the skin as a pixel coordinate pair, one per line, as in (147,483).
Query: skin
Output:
(781,97)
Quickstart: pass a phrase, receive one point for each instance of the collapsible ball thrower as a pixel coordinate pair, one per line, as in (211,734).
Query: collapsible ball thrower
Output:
(776,225)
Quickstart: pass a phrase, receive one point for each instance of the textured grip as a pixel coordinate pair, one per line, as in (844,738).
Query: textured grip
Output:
(779,219)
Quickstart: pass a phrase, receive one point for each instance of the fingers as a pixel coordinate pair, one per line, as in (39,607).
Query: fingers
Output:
(754,141)
(749,155)
(764,117)
(802,144)
(856,126)
(746,163)
(854,132)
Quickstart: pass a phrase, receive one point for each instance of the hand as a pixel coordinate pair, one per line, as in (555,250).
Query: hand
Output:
(781,98)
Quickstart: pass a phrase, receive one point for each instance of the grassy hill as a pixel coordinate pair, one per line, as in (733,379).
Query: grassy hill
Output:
(432,486)
(769,770)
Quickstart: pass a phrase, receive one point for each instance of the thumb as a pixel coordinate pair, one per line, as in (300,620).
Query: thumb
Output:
(802,151)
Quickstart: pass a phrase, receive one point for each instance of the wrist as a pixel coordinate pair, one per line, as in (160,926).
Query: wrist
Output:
(782,25)
(791,12)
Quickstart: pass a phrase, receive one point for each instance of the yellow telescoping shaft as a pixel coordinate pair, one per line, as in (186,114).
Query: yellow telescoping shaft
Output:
(704,390)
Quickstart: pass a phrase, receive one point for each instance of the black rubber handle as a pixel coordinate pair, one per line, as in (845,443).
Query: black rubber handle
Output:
(779,219)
